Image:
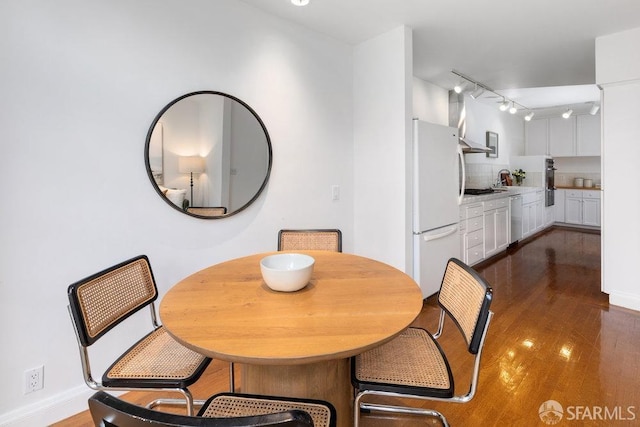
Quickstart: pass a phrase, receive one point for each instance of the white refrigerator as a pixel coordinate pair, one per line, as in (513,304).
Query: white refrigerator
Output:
(438,188)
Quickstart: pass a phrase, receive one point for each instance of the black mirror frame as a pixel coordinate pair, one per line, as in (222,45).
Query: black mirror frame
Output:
(148,142)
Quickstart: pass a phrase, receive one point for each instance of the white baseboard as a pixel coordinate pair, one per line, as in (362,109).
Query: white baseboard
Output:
(49,410)
(630,301)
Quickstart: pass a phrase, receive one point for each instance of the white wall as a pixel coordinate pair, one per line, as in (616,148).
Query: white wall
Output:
(382,147)
(81,83)
(618,74)
(430,102)
(482,171)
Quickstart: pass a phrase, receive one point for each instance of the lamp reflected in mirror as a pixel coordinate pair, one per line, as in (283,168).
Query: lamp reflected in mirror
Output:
(191,165)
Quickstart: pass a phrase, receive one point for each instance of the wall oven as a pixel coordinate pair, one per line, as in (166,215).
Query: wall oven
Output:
(549,183)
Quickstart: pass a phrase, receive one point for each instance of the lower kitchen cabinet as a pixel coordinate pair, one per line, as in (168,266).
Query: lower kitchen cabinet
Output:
(533,214)
(485,229)
(497,225)
(582,207)
(472,233)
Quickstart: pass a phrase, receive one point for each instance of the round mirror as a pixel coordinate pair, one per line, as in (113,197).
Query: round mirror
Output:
(208,154)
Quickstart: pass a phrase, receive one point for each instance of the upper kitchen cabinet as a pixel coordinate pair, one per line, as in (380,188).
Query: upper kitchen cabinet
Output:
(537,137)
(588,135)
(562,136)
(559,137)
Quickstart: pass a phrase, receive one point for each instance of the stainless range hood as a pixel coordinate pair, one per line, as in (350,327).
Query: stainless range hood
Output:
(457,119)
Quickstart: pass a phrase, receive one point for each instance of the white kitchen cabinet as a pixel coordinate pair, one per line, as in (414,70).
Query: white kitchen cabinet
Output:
(588,135)
(532,213)
(582,207)
(559,137)
(536,137)
(503,227)
(497,225)
(562,136)
(549,216)
(591,208)
(472,233)
(573,208)
(559,205)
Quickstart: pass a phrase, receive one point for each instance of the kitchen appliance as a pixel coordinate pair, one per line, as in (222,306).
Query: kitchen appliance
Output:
(549,183)
(457,118)
(478,191)
(438,175)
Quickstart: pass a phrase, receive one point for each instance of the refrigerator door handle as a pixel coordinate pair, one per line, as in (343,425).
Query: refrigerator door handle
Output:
(464,174)
(431,237)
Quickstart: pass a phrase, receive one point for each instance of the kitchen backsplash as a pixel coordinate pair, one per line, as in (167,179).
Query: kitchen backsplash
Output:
(484,175)
(565,179)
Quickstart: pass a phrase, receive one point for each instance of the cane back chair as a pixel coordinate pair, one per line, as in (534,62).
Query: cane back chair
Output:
(220,410)
(321,239)
(413,364)
(102,301)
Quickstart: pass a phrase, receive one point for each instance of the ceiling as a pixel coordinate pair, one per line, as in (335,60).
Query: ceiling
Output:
(507,45)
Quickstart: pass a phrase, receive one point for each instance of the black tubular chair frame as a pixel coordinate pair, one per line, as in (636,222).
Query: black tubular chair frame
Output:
(330,231)
(109,411)
(475,346)
(86,338)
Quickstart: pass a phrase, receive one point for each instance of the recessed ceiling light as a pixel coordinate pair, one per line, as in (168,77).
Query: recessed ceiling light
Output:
(300,2)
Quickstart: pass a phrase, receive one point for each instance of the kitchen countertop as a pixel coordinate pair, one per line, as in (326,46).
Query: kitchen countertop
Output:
(510,191)
(571,187)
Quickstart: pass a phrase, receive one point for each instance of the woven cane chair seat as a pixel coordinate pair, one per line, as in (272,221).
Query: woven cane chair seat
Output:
(323,240)
(156,360)
(413,360)
(225,405)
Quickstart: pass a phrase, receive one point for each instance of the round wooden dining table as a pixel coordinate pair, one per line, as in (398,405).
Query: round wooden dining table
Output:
(294,344)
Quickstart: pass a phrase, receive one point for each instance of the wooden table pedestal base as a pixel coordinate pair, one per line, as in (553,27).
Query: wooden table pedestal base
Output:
(328,381)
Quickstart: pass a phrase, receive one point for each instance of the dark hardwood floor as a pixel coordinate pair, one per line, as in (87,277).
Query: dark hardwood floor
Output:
(553,337)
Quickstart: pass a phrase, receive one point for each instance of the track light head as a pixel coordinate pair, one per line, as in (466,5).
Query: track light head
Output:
(594,109)
(513,109)
(477,92)
(567,113)
(459,87)
(504,106)
(529,116)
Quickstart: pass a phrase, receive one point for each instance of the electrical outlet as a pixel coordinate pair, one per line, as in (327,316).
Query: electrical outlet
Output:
(34,379)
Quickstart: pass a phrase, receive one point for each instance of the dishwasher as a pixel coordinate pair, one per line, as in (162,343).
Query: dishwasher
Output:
(515,203)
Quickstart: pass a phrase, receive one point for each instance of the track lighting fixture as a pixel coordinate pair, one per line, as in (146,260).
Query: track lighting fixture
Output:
(477,92)
(567,113)
(594,109)
(529,116)
(479,89)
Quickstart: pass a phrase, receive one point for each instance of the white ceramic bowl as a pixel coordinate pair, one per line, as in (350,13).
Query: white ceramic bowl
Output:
(287,272)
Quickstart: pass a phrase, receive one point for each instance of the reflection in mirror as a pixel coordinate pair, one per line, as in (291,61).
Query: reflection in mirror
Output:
(208,154)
